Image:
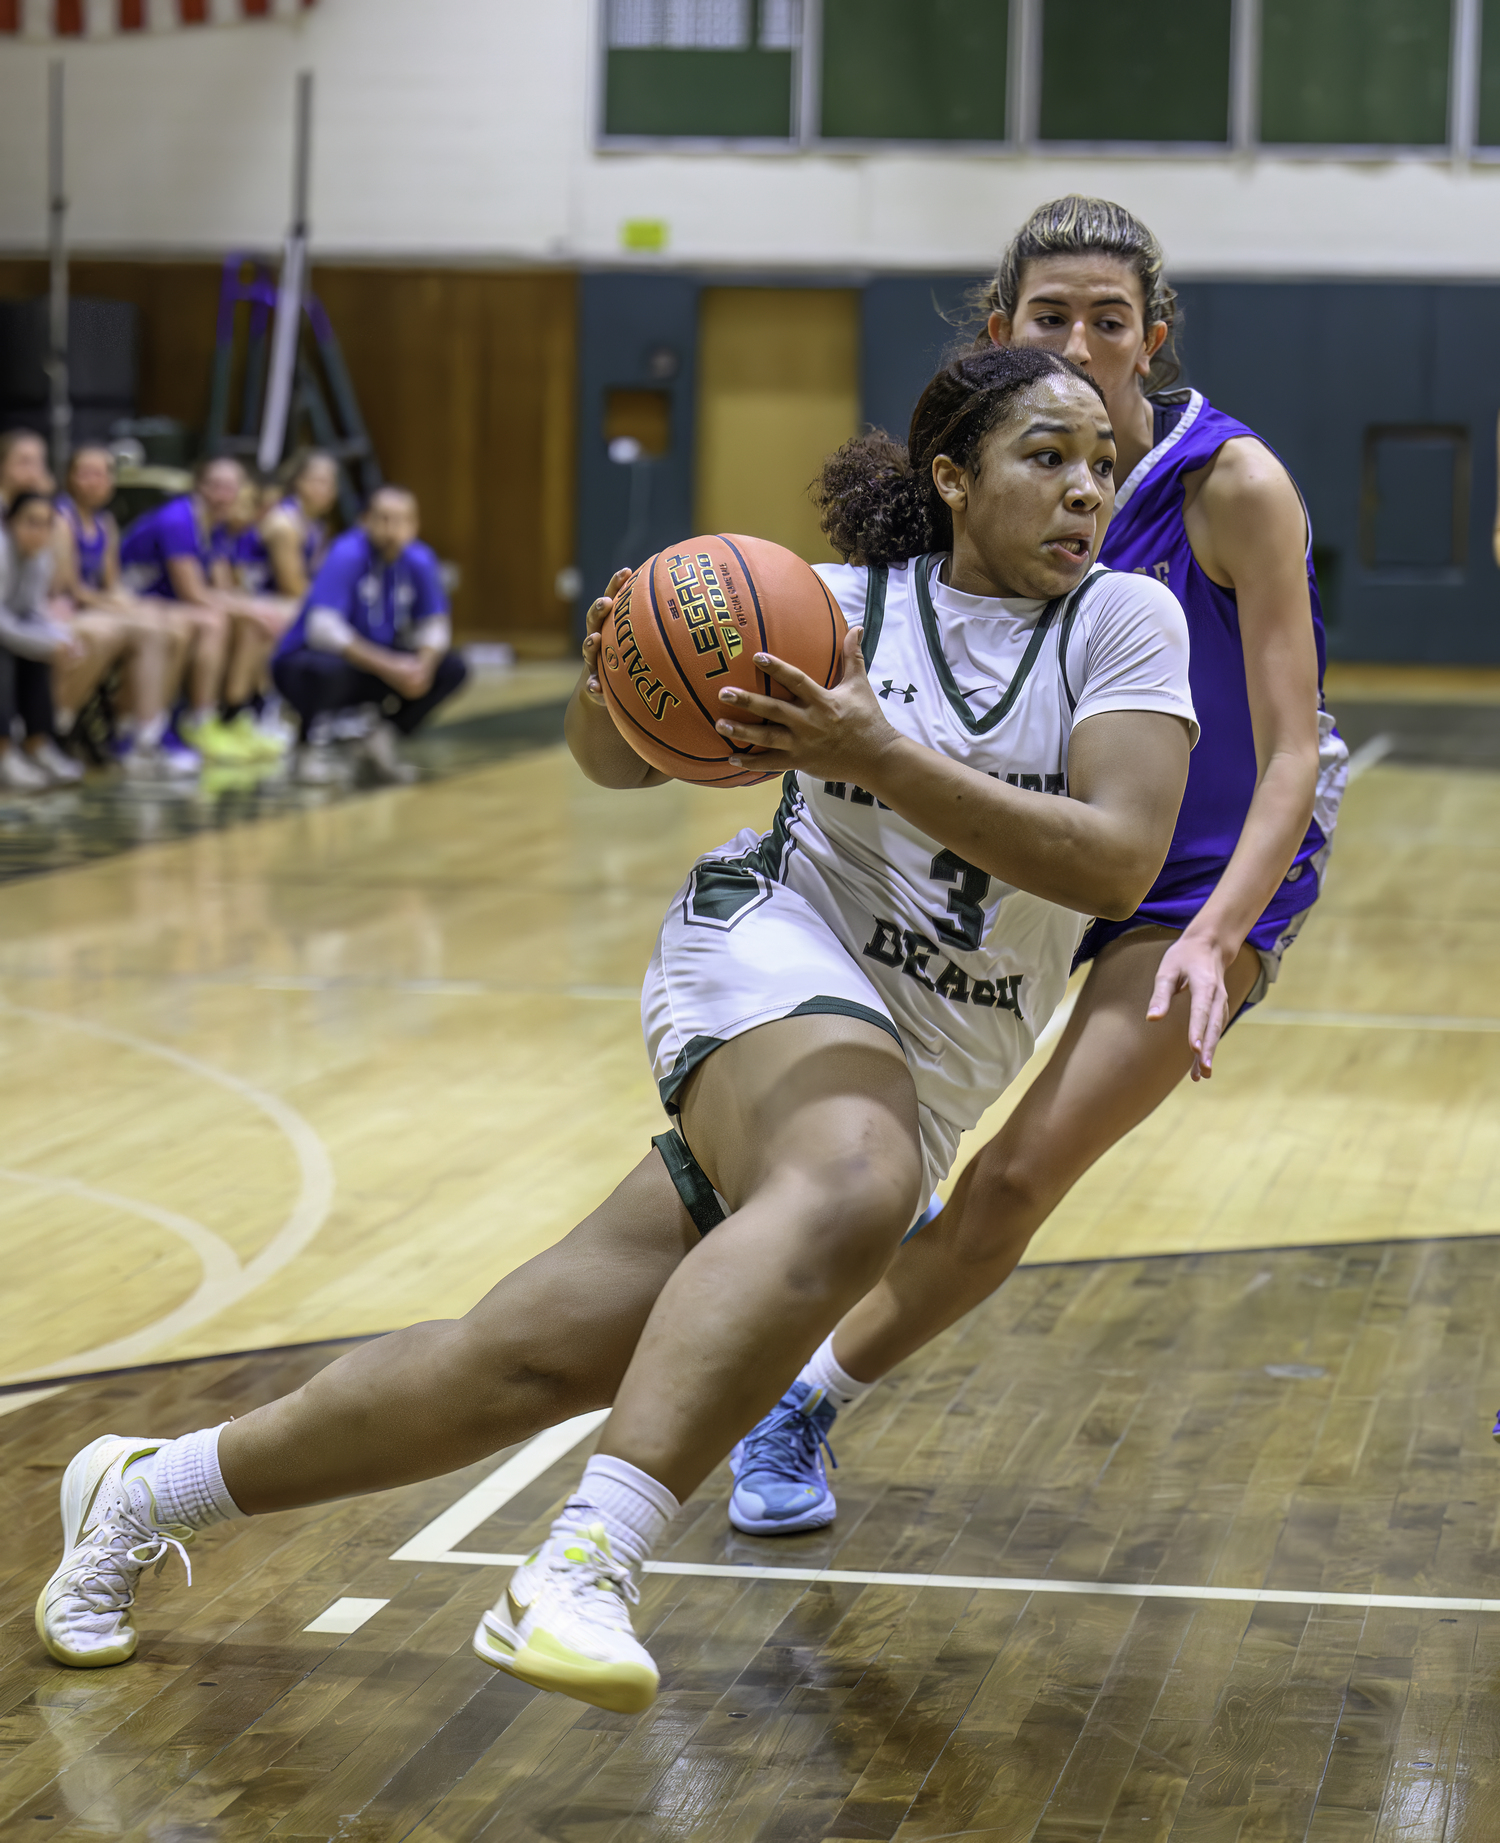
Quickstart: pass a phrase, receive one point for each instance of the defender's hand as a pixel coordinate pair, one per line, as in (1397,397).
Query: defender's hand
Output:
(599,612)
(838,732)
(1196,967)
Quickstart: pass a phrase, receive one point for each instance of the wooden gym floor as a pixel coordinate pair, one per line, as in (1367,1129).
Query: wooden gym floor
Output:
(309,1074)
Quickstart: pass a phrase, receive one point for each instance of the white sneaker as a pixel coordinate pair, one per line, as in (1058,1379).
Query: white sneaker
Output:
(563,1624)
(318,765)
(381,752)
(109,1536)
(159,762)
(20,774)
(61,770)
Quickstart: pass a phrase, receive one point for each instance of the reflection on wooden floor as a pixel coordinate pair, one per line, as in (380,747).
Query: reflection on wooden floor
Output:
(491,718)
(342,1068)
(1308,1421)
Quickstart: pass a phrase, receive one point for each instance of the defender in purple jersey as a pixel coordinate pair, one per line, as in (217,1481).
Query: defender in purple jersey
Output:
(1202,505)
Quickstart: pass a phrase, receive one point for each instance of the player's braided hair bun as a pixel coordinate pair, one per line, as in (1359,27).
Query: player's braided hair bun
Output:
(1079,226)
(877,498)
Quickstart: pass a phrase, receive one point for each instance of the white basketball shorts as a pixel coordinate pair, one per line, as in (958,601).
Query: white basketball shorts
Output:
(738,949)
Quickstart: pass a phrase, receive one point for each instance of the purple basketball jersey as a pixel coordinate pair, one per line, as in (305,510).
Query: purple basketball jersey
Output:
(1147,534)
(91,549)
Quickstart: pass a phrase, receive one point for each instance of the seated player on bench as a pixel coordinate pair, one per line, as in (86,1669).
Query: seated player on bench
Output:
(262,607)
(34,643)
(170,554)
(294,532)
(23,465)
(147,639)
(373,630)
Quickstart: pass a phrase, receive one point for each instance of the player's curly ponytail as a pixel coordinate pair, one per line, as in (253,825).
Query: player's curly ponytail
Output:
(878,501)
(1079,226)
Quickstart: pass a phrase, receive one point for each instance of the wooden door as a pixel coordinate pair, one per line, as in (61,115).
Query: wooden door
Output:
(778,390)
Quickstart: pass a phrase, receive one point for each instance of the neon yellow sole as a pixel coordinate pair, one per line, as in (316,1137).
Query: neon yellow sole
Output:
(623,1688)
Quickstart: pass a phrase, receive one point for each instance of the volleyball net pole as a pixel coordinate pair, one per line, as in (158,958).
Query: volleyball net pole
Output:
(290,291)
(60,403)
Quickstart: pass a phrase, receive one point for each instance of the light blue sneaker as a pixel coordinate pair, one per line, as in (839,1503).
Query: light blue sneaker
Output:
(780,1487)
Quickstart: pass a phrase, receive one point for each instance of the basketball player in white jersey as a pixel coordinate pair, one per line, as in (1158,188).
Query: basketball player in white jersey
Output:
(827,1008)
(1203,505)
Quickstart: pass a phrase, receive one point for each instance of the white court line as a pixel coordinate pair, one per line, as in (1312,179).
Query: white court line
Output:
(23,1398)
(1372,1020)
(1368,753)
(308,1213)
(435,1543)
(346,1615)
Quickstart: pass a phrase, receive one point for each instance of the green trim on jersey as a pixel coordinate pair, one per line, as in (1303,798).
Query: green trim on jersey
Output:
(877,580)
(1066,633)
(846,1007)
(698,1049)
(979,726)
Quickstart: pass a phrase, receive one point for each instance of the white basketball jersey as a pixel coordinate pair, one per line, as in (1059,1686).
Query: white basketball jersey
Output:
(970,967)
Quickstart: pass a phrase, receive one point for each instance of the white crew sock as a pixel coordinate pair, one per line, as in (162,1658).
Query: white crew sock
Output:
(206,715)
(822,1371)
(633,1507)
(150,732)
(186,1482)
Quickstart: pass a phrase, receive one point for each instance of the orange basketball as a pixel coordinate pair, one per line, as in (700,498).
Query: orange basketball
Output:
(689,623)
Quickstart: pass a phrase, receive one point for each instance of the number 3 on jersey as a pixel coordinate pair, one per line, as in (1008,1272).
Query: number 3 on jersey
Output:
(966,902)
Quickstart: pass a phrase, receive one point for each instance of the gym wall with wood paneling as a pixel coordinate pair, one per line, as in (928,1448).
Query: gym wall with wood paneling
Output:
(467,379)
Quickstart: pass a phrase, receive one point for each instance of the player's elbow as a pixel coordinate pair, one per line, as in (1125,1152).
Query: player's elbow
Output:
(1120,886)
(1119,903)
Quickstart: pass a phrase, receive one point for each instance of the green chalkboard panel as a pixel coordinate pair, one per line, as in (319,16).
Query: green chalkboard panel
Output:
(731,95)
(914,70)
(1134,70)
(1489,75)
(1355,72)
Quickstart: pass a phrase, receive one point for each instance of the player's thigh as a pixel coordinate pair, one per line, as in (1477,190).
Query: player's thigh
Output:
(1113,1067)
(264,622)
(105,635)
(576,1310)
(821,1109)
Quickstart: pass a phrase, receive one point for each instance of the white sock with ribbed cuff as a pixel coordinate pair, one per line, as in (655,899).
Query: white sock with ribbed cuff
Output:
(186,1483)
(823,1371)
(634,1508)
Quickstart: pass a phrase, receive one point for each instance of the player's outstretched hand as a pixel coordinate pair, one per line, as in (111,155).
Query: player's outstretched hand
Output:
(599,612)
(1196,967)
(837,732)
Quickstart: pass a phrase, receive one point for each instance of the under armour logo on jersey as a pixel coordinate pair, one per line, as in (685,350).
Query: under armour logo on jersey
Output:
(891,688)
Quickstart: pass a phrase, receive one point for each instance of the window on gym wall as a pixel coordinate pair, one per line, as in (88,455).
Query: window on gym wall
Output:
(719,70)
(1152,73)
(1355,73)
(895,71)
(1343,77)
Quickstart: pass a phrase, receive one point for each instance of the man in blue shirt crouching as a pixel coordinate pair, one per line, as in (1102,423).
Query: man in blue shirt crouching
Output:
(373,630)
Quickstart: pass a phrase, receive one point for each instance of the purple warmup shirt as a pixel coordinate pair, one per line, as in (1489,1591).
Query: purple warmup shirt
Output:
(91,550)
(1147,535)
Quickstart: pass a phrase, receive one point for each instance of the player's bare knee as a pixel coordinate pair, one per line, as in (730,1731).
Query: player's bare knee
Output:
(501,1368)
(1008,1199)
(857,1207)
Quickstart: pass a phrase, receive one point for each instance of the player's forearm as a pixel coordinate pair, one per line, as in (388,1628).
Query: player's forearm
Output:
(1274,828)
(1083,857)
(190,585)
(382,661)
(598,747)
